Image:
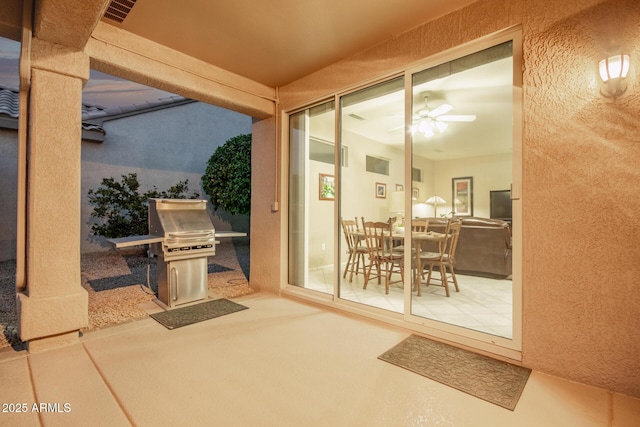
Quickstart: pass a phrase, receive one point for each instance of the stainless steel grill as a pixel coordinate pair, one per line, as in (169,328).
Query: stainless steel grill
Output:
(188,239)
(185,226)
(181,237)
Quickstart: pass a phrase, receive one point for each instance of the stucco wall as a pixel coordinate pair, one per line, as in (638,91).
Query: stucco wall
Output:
(580,221)
(162,147)
(268,254)
(8,185)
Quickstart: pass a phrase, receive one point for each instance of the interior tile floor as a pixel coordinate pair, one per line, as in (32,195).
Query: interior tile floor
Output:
(279,363)
(483,304)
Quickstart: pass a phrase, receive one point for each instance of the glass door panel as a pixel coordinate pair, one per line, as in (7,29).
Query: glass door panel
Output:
(462,150)
(312,198)
(371,188)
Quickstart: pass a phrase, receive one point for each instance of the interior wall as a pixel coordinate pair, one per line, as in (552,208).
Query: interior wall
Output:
(359,186)
(426,188)
(580,317)
(488,172)
(321,229)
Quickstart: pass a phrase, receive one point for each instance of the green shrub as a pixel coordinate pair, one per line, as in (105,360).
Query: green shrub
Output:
(120,210)
(227,180)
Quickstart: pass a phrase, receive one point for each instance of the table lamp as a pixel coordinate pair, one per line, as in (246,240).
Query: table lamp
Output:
(435,201)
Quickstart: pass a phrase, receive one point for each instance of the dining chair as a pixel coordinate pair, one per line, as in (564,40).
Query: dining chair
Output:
(379,241)
(419,225)
(444,259)
(356,249)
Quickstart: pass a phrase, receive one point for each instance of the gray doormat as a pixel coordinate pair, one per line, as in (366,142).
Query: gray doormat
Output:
(184,316)
(489,379)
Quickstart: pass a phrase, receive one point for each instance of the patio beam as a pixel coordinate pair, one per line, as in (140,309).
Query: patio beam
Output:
(125,55)
(11,19)
(69,22)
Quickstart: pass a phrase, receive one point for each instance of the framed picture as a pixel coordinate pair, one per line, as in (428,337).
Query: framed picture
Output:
(399,187)
(462,196)
(381,190)
(415,193)
(327,187)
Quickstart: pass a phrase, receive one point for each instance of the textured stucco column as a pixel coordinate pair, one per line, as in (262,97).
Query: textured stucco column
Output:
(266,259)
(54,306)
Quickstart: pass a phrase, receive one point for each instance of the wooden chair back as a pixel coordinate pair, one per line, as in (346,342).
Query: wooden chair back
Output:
(378,239)
(349,228)
(453,231)
(419,225)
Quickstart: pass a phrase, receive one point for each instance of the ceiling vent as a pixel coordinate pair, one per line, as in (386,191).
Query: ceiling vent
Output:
(118,10)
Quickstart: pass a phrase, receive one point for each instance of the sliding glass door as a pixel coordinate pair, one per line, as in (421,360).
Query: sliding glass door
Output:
(312,198)
(372,187)
(434,146)
(462,144)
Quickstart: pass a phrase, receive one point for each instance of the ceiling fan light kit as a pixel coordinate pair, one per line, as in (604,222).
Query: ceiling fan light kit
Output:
(428,121)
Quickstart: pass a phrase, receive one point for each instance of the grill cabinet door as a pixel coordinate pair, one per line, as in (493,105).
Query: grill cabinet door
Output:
(186,281)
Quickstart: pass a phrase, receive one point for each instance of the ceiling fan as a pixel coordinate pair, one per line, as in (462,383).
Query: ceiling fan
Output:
(427,121)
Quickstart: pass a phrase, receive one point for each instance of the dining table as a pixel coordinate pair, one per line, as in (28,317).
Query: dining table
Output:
(417,238)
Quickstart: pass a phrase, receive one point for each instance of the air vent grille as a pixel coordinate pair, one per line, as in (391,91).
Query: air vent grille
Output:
(119,9)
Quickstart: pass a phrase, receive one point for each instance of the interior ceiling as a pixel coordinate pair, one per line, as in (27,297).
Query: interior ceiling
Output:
(485,91)
(278,41)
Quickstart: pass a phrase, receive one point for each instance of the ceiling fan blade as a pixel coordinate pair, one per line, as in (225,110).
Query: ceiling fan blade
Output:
(456,118)
(394,129)
(439,110)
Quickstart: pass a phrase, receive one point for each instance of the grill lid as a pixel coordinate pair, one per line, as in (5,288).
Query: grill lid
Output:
(179,218)
(185,222)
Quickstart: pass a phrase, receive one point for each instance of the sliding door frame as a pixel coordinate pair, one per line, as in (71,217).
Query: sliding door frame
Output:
(491,344)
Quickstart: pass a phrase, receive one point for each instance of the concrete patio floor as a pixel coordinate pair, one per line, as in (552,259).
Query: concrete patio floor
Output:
(280,363)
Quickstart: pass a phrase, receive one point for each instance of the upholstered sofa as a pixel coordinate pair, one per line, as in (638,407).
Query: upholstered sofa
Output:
(484,246)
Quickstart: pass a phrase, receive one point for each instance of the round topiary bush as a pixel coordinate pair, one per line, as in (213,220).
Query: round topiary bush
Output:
(227,180)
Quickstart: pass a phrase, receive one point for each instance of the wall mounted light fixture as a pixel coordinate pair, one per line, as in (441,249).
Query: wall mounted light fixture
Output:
(613,72)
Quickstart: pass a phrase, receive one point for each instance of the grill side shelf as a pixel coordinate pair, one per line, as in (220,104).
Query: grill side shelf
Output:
(229,234)
(125,242)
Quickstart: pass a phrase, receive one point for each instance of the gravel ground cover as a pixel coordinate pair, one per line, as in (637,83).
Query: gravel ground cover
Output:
(119,281)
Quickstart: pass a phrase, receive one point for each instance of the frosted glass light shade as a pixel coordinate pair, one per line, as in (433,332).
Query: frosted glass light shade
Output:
(614,67)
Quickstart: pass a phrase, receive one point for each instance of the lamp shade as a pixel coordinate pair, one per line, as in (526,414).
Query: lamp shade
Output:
(420,210)
(396,202)
(436,200)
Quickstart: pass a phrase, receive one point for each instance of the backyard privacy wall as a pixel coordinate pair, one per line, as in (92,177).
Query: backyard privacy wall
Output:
(580,220)
(8,185)
(162,147)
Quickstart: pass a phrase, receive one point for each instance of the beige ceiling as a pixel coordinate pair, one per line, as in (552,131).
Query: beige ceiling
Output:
(275,42)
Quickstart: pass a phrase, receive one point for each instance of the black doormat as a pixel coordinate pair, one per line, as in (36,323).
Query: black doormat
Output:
(179,317)
(489,379)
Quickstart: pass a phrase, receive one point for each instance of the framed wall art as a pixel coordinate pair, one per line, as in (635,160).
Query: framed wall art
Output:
(462,196)
(327,187)
(415,193)
(381,190)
